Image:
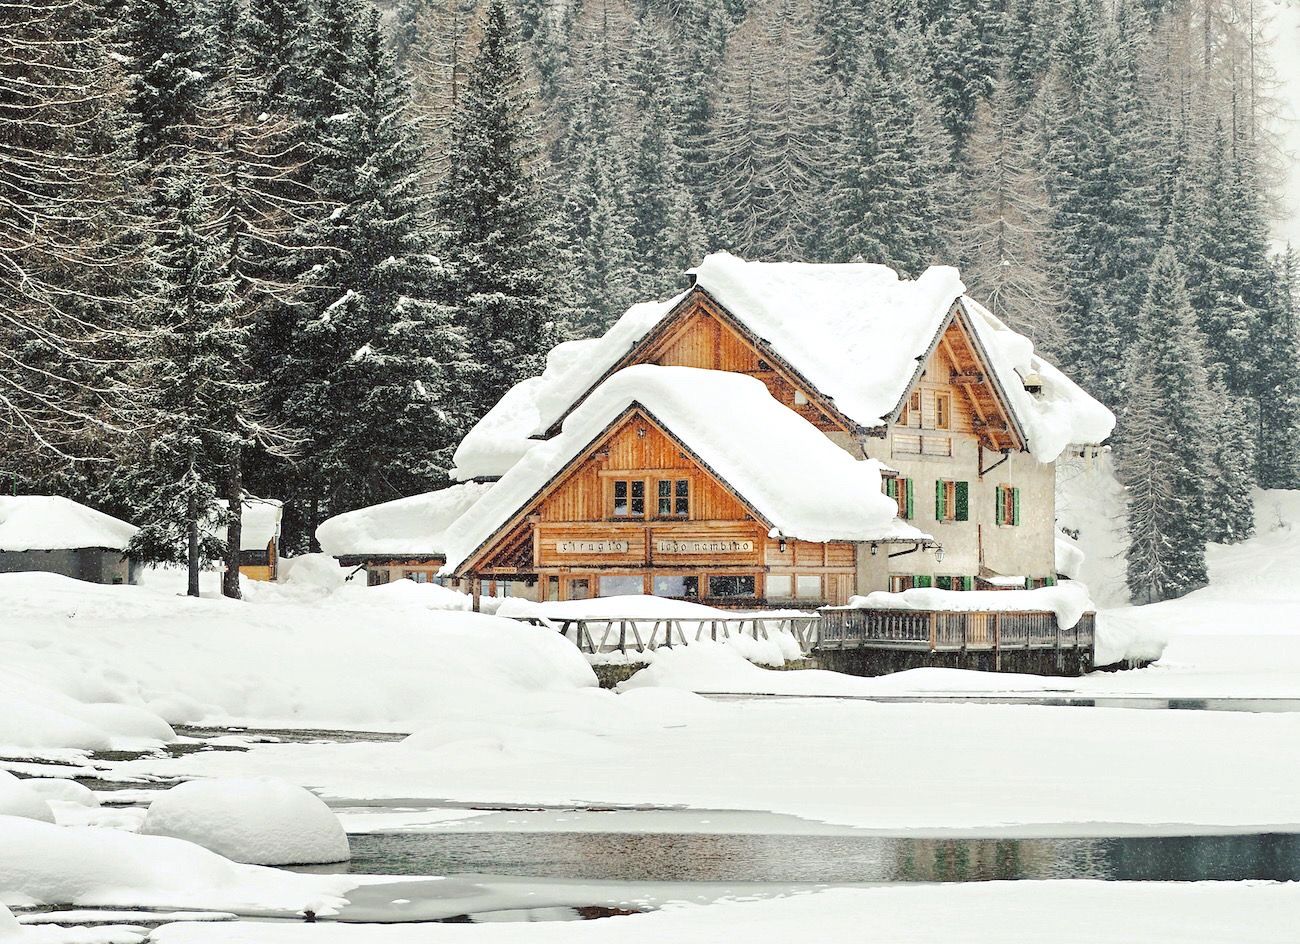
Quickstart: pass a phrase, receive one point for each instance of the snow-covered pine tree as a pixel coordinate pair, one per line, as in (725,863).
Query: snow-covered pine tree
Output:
(667,235)
(769,145)
(591,166)
(1008,222)
(275,34)
(1277,383)
(1105,202)
(700,31)
(502,235)
(164,43)
(187,378)
(964,59)
(892,195)
(1230,508)
(1165,441)
(437,67)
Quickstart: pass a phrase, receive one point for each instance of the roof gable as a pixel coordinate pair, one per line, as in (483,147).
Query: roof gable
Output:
(793,478)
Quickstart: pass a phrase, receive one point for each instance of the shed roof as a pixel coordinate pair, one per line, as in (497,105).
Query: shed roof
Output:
(51,522)
(406,527)
(795,478)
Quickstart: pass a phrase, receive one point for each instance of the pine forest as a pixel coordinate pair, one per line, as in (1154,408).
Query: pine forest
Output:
(297,248)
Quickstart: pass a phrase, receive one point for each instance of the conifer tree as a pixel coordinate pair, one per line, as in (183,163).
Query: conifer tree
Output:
(1165,459)
(1230,506)
(892,194)
(501,238)
(1004,261)
(1277,382)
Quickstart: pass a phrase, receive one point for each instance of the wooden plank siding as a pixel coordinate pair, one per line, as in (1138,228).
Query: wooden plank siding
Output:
(578,507)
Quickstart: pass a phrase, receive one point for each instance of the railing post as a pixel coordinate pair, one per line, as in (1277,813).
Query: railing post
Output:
(934,631)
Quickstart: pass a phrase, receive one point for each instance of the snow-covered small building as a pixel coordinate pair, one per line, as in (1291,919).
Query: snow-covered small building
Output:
(778,433)
(61,536)
(406,537)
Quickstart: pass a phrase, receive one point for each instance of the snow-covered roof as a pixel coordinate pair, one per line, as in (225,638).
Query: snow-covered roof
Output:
(791,474)
(855,331)
(51,523)
(260,522)
(411,527)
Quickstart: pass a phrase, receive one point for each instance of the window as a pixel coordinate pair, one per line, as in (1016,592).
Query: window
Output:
(951,500)
(376,578)
(902,491)
(901,582)
(911,414)
(808,587)
(730,585)
(618,585)
(579,588)
(552,589)
(954,583)
(629,498)
(1035,582)
(942,410)
(674,498)
(1007,510)
(921,580)
(780,586)
(676,585)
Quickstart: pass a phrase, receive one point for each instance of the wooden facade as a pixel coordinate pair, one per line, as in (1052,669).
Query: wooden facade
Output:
(636,513)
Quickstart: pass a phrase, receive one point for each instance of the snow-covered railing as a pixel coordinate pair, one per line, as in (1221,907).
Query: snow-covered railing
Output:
(638,634)
(845,627)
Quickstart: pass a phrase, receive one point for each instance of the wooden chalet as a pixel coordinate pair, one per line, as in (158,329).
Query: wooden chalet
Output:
(898,436)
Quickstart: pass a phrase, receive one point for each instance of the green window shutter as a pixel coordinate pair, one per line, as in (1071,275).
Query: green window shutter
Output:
(938,500)
(891,487)
(943,583)
(998,505)
(963,501)
(907,491)
(1015,506)
(969,582)
(920,580)
(1049,581)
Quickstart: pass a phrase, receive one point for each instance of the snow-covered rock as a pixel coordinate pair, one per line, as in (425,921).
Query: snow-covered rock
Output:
(53,865)
(18,799)
(260,821)
(65,791)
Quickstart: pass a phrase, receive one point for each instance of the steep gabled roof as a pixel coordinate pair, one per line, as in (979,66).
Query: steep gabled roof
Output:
(52,523)
(407,527)
(855,332)
(794,479)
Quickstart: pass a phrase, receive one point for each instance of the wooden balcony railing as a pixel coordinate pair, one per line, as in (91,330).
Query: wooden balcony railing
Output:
(637,634)
(946,630)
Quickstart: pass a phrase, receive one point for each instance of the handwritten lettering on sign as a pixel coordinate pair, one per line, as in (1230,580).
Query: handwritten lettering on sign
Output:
(704,547)
(591,547)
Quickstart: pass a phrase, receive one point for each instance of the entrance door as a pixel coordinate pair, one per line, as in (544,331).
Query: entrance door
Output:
(579,588)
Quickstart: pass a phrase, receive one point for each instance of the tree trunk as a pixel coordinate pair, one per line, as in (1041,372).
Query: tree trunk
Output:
(234,524)
(192,555)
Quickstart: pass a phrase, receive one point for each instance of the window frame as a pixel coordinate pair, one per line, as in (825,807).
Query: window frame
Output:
(942,410)
(679,504)
(951,500)
(630,485)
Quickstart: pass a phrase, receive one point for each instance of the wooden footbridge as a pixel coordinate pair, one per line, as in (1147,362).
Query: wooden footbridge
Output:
(863,641)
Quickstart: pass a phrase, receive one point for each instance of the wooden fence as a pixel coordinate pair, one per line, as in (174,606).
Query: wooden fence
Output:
(638,634)
(844,627)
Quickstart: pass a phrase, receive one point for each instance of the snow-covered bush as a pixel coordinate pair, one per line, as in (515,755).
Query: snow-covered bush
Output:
(261,821)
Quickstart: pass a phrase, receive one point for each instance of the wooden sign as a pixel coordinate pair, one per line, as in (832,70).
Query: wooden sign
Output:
(704,547)
(591,547)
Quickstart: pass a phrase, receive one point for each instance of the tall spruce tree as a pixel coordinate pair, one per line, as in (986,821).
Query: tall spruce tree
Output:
(892,195)
(502,236)
(1277,383)
(1166,441)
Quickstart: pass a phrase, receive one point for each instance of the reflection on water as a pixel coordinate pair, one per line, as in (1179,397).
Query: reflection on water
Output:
(831,859)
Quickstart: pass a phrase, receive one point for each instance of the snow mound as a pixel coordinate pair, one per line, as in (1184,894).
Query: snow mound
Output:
(9,926)
(411,526)
(260,821)
(42,864)
(65,791)
(18,799)
(34,715)
(312,571)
